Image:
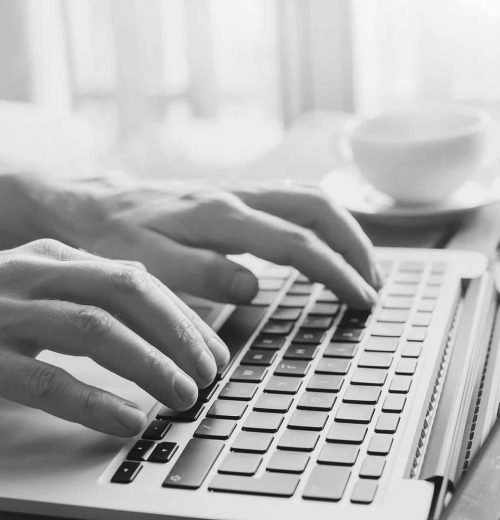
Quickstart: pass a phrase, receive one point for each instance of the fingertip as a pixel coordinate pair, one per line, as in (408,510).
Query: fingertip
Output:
(219,351)
(244,286)
(131,418)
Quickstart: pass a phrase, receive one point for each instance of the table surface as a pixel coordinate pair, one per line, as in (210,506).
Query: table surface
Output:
(309,150)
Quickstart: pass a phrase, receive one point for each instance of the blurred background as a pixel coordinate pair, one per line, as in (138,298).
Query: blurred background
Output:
(169,88)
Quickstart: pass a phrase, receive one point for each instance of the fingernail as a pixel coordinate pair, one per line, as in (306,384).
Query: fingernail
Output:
(244,286)
(131,417)
(206,367)
(219,351)
(371,295)
(185,388)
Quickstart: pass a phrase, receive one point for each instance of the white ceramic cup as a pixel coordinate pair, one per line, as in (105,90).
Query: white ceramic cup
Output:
(420,156)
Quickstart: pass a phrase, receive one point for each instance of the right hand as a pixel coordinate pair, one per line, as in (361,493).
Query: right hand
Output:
(53,296)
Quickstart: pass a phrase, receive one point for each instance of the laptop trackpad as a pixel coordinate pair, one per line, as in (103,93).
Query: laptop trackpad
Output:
(33,441)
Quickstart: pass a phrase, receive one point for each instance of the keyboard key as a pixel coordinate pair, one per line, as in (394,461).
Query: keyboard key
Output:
(308,420)
(380,444)
(402,290)
(127,472)
(338,454)
(163,452)
(354,319)
(205,394)
(277,403)
(325,383)
(412,349)
(372,467)
(369,376)
(426,306)
(417,334)
(438,268)
(252,442)
(259,357)
(397,302)
(238,328)
(400,385)
(364,492)
(265,298)
(156,430)
(435,280)
(317,322)
(354,413)
(327,483)
(325,309)
(348,335)
(312,337)
(268,342)
(387,423)
(263,422)
(411,267)
(283,385)
(287,314)
(271,284)
(215,429)
(326,296)
(393,316)
(303,288)
(190,415)
(375,360)
(240,464)
(333,366)
(408,278)
(321,401)
(302,279)
(276,271)
(298,440)
(342,350)
(139,449)
(194,463)
(247,374)
(422,319)
(431,293)
(388,330)
(288,462)
(299,351)
(394,403)
(281,328)
(224,409)
(379,344)
(294,301)
(350,433)
(238,391)
(406,366)
(269,484)
(362,394)
(292,368)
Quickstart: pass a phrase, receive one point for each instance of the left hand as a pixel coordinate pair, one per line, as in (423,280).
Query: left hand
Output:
(182,236)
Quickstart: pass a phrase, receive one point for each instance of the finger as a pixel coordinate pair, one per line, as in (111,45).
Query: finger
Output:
(312,209)
(89,331)
(242,229)
(135,297)
(39,385)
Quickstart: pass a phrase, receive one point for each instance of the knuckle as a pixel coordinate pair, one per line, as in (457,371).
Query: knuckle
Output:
(44,382)
(300,238)
(91,401)
(47,247)
(155,361)
(132,281)
(92,321)
(185,332)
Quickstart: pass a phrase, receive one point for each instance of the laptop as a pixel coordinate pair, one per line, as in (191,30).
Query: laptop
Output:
(323,412)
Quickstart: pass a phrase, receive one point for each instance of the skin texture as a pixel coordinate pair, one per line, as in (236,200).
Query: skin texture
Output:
(63,292)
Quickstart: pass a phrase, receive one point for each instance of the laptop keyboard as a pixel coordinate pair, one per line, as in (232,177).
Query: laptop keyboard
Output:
(343,374)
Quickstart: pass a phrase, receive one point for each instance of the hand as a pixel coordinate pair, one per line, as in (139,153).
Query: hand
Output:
(54,296)
(182,236)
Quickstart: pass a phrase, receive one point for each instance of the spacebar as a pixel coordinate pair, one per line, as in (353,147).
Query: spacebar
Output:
(194,463)
(275,485)
(238,328)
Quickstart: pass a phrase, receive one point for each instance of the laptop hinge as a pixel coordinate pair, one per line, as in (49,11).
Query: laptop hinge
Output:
(444,447)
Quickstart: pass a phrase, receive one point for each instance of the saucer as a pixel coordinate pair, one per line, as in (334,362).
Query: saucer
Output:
(348,188)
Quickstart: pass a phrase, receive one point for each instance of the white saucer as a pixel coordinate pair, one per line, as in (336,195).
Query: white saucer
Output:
(349,189)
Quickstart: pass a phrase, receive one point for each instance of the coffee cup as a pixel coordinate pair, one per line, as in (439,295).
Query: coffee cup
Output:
(421,156)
